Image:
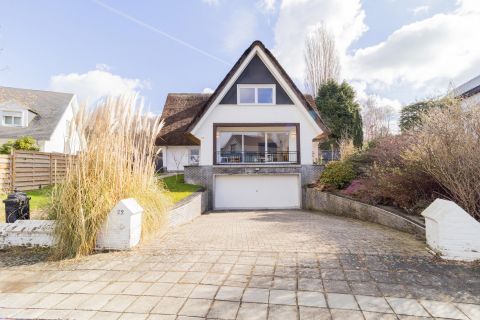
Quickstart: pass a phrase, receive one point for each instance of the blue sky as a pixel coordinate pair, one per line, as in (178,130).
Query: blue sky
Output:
(392,49)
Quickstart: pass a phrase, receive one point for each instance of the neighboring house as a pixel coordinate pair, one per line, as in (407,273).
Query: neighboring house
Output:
(469,91)
(253,143)
(46,116)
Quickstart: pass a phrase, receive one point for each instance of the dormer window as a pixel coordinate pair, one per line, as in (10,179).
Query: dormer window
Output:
(12,118)
(256,94)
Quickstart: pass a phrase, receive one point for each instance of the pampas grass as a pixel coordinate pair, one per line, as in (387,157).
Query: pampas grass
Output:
(116,162)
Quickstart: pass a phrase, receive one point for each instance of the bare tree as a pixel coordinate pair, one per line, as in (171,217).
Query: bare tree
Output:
(377,120)
(321,59)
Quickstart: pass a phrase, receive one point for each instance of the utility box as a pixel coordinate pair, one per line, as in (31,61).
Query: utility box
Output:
(451,231)
(122,228)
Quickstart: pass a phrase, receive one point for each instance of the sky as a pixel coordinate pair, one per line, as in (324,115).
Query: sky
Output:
(397,51)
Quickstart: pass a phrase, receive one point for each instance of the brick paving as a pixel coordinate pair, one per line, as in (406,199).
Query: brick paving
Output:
(249,265)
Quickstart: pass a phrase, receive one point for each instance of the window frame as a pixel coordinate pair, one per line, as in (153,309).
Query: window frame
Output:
(256,87)
(192,156)
(216,132)
(12,114)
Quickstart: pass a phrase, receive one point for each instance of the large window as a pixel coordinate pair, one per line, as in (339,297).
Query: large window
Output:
(256,94)
(12,118)
(256,146)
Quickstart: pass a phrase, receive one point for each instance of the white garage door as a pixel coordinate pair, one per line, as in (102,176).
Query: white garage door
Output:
(257,192)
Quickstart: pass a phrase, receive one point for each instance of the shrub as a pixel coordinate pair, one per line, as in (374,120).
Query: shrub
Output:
(7,147)
(23,143)
(338,174)
(116,162)
(448,149)
(346,148)
(405,186)
(392,179)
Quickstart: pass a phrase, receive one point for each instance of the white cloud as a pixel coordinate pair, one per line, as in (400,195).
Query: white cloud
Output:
(239,29)
(211,2)
(362,96)
(425,55)
(267,6)
(94,84)
(207,90)
(344,19)
(420,10)
(418,60)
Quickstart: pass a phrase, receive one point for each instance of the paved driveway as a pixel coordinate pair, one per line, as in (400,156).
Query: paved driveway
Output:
(251,265)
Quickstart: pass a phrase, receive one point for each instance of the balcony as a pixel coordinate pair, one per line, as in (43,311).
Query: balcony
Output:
(251,144)
(281,157)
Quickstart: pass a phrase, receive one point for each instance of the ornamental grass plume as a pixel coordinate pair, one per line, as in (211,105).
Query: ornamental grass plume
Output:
(117,143)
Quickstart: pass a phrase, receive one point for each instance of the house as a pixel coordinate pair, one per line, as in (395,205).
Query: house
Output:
(252,143)
(44,115)
(469,92)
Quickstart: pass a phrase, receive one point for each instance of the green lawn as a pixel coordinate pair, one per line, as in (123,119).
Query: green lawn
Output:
(40,200)
(177,188)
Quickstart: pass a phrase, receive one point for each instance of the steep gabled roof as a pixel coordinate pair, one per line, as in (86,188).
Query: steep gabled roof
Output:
(183,110)
(47,106)
(178,112)
(308,106)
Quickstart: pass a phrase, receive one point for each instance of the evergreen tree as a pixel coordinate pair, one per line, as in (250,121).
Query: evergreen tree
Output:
(411,115)
(337,106)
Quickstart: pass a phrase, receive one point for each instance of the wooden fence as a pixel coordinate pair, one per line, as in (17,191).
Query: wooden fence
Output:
(5,178)
(29,170)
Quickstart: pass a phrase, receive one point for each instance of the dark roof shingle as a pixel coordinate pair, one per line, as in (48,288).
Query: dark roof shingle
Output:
(47,105)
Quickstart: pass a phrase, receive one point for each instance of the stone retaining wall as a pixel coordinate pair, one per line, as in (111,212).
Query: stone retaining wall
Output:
(330,203)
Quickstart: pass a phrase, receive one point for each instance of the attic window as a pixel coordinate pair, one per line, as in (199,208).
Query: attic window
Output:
(12,119)
(256,94)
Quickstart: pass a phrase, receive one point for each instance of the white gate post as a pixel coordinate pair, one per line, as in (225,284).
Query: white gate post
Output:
(122,228)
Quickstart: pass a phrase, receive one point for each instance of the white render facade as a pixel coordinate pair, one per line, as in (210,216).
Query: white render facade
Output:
(175,158)
(275,115)
(256,137)
(42,115)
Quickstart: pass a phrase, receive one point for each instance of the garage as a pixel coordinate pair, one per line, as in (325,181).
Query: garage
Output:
(257,192)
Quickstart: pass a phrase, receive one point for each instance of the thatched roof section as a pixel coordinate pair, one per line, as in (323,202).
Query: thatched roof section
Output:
(179,111)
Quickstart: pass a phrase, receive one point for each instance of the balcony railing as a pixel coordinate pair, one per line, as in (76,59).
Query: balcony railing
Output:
(257,157)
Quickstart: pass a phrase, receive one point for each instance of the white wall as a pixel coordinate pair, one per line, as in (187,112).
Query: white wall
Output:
(62,140)
(176,157)
(451,231)
(256,114)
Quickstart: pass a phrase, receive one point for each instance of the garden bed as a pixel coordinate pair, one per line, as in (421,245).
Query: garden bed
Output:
(347,207)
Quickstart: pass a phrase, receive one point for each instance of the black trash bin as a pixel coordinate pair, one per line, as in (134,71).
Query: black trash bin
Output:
(17,207)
